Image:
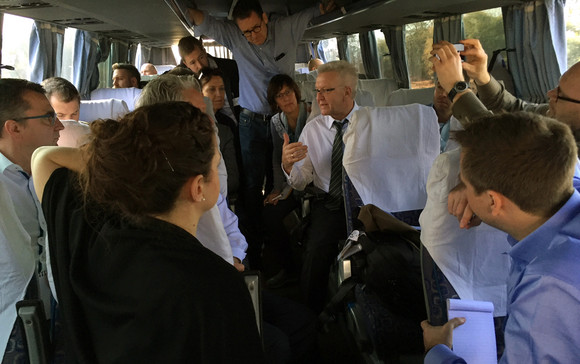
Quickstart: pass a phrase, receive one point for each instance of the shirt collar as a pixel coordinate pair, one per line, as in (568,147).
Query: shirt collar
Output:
(330,120)
(540,239)
(211,62)
(7,164)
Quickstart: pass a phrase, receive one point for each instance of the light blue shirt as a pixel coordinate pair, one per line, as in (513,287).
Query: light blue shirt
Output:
(257,64)
(22,243)
(543,293)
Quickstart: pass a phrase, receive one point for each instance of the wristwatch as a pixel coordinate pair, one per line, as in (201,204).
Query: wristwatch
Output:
(459,86)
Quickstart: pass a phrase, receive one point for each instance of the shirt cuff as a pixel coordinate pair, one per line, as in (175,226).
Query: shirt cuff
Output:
(441,354)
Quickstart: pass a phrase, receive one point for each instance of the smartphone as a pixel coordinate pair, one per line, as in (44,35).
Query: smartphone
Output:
(459,47)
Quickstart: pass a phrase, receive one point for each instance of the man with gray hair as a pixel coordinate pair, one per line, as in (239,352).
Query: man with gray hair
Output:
(317,158)
(218,228)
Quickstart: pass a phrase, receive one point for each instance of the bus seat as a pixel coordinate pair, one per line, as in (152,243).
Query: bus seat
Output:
(473,260)
(92,110)
(162,68)
(405,96)
(379,88)
(129,95)
(74,133)
(404,141)
(253,282)
(307,89)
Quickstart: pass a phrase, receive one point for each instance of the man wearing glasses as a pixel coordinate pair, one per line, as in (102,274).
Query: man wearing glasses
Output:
(564,99)
(317,158)
(263,48)
(27,122)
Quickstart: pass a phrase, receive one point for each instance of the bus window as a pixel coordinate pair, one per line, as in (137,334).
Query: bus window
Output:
(419,42)
(330,49)
(487,26)
(15,46)
(353,45)
(571,15)
(68,50)
(384,55)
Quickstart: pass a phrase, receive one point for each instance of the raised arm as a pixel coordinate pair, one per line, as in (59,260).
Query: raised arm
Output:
(46,160)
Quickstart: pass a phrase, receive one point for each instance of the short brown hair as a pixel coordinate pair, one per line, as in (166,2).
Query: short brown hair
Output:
(133,71)
(161,147)
(62,89)
(276,84)
(528,158)
(12,103)
(189,44)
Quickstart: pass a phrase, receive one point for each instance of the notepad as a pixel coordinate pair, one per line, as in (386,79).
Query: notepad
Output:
(474,341)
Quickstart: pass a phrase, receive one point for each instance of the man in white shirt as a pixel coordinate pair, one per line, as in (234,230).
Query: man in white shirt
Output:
(27,122)
(311,160)
(66,101)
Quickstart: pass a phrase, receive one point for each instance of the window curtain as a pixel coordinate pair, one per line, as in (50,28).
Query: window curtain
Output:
(46,43)
(142,56)
(319,51)
(369,53)
(342,43)
(86,58)
(449,28)
(162,56)
(395,38)
(536,30)
(134,54)
(119,52)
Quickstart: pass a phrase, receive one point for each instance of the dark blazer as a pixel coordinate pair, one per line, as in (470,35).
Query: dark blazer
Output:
(229,69)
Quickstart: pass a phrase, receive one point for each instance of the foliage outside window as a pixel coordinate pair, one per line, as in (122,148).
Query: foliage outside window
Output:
(384,56)
(15,46)
(572,14)
(330,49)
(487,26)
(419,43)
(353,45)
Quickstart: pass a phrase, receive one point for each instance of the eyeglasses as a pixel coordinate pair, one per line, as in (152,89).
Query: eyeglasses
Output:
(284,94)
(255,29)
(51,116)
(324,91)
(559,97)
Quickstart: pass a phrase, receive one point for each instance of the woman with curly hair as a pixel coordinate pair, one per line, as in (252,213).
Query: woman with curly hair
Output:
(133,282)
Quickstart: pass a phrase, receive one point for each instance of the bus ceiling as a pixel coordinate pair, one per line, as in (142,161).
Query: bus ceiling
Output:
(154,24)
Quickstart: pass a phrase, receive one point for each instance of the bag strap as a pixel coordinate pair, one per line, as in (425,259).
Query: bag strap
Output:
(334,306)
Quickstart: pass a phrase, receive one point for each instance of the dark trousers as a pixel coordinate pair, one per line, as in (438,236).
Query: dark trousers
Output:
(276,234)
(256,149)
(289,330)
(326,229)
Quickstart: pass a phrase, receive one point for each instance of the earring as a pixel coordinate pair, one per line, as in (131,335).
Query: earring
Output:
(203,198)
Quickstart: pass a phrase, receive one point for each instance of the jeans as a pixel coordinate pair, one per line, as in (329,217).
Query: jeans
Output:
(256,149)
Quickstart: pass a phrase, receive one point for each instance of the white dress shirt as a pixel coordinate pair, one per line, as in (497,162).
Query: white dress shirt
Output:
(218,231)
(318,135)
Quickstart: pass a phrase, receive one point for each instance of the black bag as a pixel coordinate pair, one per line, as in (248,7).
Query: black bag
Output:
(383,279)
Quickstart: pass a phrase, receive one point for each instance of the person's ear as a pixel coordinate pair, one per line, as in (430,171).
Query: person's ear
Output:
(134,82)
(348,91)
(12,128)
(196,185)
(265,18)
(497,202)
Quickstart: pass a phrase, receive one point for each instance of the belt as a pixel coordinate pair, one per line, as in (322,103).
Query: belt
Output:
(253,115)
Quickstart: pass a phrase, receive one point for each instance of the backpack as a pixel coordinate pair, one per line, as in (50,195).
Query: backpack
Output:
(379,270)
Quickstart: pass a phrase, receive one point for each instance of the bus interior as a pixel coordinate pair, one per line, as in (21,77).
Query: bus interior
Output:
(387,40)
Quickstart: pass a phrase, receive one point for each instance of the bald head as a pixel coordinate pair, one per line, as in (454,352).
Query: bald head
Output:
(565,98)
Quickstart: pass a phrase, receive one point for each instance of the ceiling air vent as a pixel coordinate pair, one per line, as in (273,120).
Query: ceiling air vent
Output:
(76,22)
(22,5)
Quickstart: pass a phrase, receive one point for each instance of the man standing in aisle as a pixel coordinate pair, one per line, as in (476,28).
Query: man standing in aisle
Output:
(263,48)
